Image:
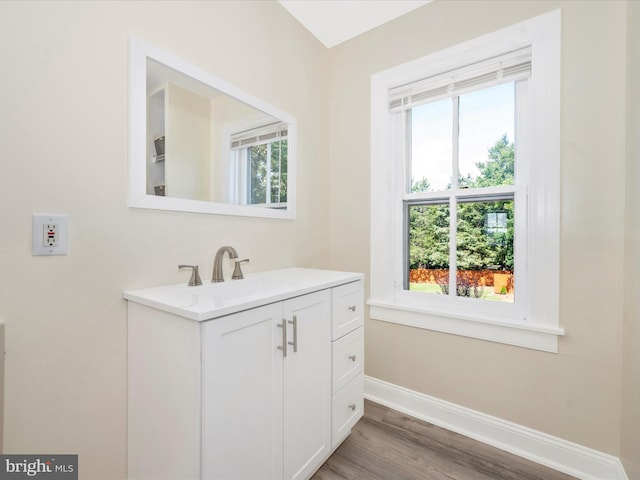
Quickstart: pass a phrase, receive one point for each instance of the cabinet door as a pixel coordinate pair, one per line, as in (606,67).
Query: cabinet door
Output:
(307,384)
(242,395)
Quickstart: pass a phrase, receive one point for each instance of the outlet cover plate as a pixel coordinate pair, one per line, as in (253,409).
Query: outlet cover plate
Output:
(40,221)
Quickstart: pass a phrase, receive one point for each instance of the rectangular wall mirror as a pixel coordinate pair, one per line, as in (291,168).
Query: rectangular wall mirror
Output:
(199,144)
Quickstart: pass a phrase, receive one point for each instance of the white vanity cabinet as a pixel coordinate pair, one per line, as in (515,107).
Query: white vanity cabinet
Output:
(263,390)
(267,409)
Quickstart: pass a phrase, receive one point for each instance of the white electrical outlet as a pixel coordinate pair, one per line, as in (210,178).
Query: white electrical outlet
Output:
(49,235)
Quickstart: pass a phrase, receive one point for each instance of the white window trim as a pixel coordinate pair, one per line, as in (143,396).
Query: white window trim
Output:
(540,328)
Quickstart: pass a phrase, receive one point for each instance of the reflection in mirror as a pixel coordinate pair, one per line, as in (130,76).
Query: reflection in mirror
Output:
(208,147)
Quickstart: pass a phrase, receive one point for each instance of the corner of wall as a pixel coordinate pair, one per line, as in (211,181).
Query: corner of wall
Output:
(630,408)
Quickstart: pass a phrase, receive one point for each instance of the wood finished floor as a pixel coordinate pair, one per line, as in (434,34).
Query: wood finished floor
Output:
(388,445)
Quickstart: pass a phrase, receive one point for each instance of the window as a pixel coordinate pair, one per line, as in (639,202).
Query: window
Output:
(465,188)
(259,166)
(461,156)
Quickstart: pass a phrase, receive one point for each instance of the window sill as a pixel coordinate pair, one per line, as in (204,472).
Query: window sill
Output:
(527,335)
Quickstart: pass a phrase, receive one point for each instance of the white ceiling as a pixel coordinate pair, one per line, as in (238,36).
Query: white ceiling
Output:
(335,21)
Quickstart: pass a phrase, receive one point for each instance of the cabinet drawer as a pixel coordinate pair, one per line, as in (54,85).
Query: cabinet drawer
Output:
(347,305)
(348,408)
(348,358)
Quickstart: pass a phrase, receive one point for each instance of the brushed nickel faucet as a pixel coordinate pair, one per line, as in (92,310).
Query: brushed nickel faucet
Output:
(194,281)
(218,276)
(237,271)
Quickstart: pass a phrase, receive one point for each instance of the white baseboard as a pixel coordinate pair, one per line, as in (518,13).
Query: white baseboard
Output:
(553,452)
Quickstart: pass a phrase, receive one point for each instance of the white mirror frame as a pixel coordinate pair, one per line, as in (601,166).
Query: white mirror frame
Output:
(139,51)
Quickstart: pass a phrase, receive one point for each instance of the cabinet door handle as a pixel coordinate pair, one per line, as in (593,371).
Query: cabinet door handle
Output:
(352,406)
(283,326)
(352,358)
(294,322)
(352,308)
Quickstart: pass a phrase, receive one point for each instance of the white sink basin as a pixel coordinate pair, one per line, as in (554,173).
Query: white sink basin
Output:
(213,300)
(235,291)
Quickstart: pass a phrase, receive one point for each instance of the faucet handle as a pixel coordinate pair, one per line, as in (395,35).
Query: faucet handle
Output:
(194,281)
(237,271)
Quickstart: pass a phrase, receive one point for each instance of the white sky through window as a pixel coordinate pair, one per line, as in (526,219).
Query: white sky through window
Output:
(485,116)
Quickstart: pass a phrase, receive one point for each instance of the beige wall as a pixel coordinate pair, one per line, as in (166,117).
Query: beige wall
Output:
(630,421)
(63,149)
(63,135)
(575,394)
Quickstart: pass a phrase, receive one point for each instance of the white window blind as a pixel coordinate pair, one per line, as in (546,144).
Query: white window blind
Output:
(258,136)
(511,66)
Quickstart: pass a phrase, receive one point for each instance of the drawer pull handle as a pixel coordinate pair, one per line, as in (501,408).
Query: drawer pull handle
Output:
(295,334)
(283,326)
(352,358)
(352,308)
(352,406)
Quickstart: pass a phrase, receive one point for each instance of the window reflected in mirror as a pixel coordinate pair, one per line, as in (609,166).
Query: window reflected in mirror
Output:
(260,159)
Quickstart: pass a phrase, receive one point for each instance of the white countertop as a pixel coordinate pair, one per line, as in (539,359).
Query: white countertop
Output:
(213,300)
